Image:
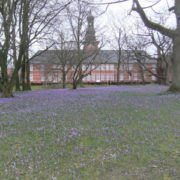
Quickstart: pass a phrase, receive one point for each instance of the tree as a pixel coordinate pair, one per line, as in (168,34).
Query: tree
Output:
(86,44)
(7,11)
(174,34)
(64,53)
(137,46)
(40,16)
(163,46)
(158,50)
(28,20)
(119,43)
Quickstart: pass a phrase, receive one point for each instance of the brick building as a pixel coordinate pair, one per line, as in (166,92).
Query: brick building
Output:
(46,68)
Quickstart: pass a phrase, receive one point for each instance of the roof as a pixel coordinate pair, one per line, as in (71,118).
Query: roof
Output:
(104,56)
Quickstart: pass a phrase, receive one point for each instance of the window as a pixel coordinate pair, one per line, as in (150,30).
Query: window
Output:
(112,77)
(121,77)
(42,67)
(88,78)
(93,77)
(59,77)
(42,78)
(111,67)
(50,78)
(31,67)
(97,76)
(83,67)
(58,66)
(85,78)
(121,67)
(135,77)
(93,67)
(153,78)
(154,67)
(98,68)
(130,67)
(55,79)
(107,77)
(102,77)
(54,66)
(31,77)
(103,66)
(107,67)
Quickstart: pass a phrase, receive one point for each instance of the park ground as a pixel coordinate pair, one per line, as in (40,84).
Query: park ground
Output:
(104,133)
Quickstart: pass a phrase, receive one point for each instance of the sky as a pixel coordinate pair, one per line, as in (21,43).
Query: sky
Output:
(121,15)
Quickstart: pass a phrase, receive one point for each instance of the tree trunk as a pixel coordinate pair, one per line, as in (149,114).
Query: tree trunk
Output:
(28,83)
(142,74)
(175,86)
(23,75)
(118,73)
(63,79)
(74,84)
(17,83)
(7,91)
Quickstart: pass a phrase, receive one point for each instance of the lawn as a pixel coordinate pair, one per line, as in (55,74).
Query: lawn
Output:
(105,133)
(59,86)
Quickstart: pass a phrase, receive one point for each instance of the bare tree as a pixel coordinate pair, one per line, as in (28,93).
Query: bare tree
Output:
(7,11)
(32,19)
(174,34)
(86,44)
(119,43)
(163,46)
(64,51)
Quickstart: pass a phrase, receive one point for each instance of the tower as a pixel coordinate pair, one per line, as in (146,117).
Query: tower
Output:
(90,38)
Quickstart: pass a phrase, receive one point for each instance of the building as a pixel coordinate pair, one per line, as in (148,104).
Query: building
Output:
(46,68)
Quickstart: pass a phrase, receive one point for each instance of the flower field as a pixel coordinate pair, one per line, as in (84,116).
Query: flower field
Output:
(105,133)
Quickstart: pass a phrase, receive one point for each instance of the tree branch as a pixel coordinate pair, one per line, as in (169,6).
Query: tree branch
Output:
(155,26)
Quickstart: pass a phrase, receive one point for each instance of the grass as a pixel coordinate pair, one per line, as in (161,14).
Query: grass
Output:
(59,86)
(117,133)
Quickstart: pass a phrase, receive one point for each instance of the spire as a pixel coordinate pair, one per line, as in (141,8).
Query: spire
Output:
(90,38)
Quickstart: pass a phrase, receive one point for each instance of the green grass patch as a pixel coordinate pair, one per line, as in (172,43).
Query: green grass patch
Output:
(90,134)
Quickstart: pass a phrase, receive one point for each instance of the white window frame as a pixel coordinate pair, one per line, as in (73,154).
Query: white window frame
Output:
(50,77)
(135,76)
(103,77)
(42,67)
(121,77)
(42,78)
(111,67)
(31,67)
(108,77)
(112,77)
(103,67)
(83,67)
(154,67)
(98,77)
(130,67)
(98,68)
(121,67)
(130,78)
(153,78)
(31,77)
(88,78)
(107,67)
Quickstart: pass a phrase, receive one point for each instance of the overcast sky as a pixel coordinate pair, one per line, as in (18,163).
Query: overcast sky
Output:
(120,14)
